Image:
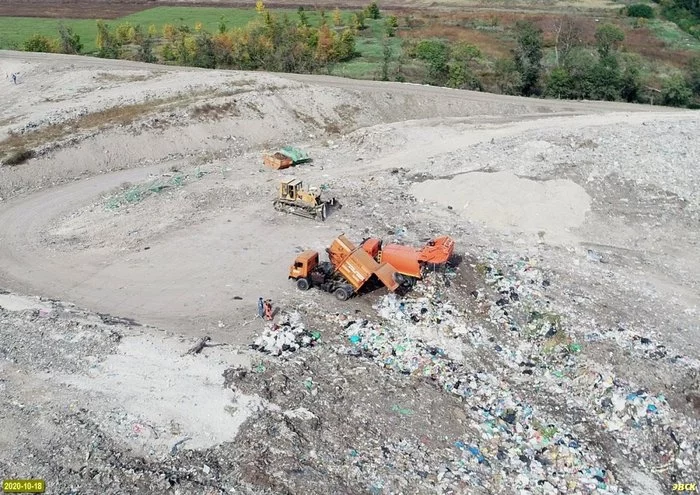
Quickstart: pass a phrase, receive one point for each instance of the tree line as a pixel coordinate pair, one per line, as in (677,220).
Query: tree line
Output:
(599,72)
(282,43)
(274,43)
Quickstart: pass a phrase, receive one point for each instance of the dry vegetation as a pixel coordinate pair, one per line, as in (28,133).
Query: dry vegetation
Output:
(18,144)
(108,117)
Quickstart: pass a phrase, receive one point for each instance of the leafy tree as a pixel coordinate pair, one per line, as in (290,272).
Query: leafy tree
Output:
(222,45)
(324,47)
(675,91)
(303,18)
(461,74)
(337,17)
(436,53)
(386,58)
(575,79)
(169,32)
(358,21)
(69,41)
(579,65)
(528,56)
(631,83)
(606,79)
(345,45)
(204,51)
(391,24)
(640,10)
(125,33)
(559,84)
(608,38)
(40,43)
(108,45)
(694,75)
(145,44)
(372,11)
(507,76)
(259,6)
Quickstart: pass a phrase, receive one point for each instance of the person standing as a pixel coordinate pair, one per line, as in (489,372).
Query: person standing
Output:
(261,307)
(14,78)
(268,310)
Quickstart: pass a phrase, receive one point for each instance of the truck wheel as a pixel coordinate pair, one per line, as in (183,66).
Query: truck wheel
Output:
(303,284)
(341,294)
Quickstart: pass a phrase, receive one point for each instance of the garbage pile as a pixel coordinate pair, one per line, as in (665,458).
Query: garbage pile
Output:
(513,439)
(285,338)
(539,404)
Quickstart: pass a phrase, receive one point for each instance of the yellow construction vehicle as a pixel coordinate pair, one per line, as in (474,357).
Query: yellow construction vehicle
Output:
(293,198)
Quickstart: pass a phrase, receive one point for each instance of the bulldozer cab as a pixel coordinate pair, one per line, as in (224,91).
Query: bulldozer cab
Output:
(303,265)
(290,189)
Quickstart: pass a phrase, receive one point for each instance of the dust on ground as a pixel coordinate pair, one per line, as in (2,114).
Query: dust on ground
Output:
(557,353)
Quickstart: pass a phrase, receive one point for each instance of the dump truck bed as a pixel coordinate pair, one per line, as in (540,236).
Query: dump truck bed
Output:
(357,266)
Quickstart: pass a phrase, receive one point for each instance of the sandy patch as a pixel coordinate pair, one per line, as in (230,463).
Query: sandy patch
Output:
(506,202)
(12,302)
(152,397)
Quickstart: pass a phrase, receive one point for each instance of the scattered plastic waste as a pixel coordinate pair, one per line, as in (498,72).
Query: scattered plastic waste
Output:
(402,411)
(286,337)
(519,443)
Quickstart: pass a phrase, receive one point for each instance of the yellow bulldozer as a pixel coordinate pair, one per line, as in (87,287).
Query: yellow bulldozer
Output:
(293,198)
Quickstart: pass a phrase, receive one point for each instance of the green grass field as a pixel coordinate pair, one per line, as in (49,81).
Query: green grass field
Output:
(369,45)
(15,30)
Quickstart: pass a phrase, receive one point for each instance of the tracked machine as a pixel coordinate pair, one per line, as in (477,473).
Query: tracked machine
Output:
(293,198)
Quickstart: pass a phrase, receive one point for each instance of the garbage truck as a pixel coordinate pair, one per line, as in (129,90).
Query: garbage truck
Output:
(409,261)
(348,270)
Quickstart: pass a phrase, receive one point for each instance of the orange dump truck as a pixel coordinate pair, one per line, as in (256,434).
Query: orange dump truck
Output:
(408,260)
(349,269)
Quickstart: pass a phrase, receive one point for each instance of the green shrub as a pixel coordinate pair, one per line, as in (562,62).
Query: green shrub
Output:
(69,41)
(391,24)
(640,10)
(40,43)
(372,11)
(676,92)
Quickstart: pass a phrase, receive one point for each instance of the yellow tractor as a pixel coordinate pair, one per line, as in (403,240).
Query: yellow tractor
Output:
(293,198)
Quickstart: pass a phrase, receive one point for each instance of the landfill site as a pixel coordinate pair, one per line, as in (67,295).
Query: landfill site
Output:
(218,282)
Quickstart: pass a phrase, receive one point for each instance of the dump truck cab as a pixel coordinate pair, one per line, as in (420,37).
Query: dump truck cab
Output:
(304,264)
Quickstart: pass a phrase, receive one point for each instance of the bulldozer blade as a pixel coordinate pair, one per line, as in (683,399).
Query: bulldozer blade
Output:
(316,212)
